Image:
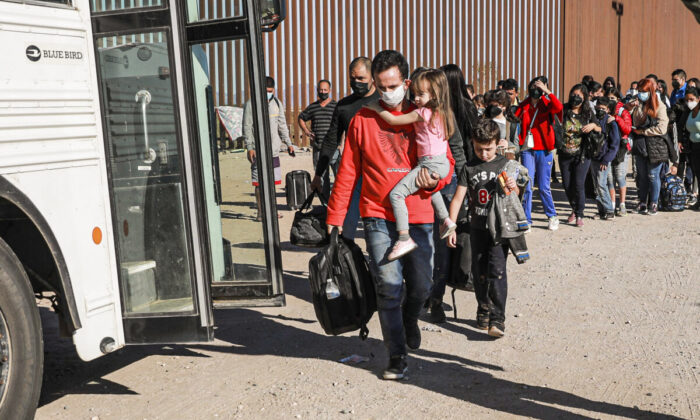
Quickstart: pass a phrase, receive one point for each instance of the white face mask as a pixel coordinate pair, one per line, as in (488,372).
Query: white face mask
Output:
(394,97)
(692,105)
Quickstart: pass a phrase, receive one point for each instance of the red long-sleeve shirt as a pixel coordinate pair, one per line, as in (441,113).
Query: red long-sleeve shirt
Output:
(382,154)
(543,128)
(623,120)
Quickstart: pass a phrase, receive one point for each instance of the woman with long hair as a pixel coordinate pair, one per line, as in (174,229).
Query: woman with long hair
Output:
(463,108)
(650,120)
(579,123)
(499,110)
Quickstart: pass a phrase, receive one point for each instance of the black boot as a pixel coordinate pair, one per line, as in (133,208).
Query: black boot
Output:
(437,313)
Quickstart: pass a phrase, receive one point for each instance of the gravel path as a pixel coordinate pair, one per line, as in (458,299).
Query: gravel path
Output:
(603,322)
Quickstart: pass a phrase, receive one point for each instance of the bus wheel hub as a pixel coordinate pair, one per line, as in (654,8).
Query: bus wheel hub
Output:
(4,357)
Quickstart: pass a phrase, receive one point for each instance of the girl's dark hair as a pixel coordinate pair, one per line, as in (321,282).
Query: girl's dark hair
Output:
(692,91)
(593,86)
(611,80)
(612,91)
(694,80)
(501,97)
(586,112)
(458,98)
(664,87)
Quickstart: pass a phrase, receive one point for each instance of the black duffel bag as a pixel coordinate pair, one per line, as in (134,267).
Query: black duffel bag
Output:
(342,288)
(309,225)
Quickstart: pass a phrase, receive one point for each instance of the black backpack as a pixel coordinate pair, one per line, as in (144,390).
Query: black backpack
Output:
(309,225)
(342,287)
(673,196)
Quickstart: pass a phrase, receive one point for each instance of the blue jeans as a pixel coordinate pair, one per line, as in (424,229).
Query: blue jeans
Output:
(416,268)
(539,165)
(352,217)
(648,181)
(600,181)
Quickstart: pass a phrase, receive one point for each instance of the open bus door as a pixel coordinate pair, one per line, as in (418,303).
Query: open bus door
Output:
(176,240)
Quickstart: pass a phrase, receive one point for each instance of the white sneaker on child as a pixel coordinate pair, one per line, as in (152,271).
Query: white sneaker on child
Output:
(402,248)
(447,227)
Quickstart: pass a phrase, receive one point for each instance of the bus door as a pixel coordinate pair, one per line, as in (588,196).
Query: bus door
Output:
(226,88)
(162,271)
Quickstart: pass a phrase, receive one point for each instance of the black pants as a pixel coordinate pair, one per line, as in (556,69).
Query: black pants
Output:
(695,162)
(573,176)
(490,278)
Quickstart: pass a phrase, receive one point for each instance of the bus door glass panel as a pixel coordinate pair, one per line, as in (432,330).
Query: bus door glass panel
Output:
(146,174)
(97,6)
(271,11)
(222,99)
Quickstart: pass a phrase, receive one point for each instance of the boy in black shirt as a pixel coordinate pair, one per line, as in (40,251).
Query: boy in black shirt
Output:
(479,178)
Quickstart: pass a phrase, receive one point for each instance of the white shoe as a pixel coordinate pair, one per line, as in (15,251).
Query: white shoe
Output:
(553,223)
(529,229)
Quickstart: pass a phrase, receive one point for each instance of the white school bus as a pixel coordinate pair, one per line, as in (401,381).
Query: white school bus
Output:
(116,201)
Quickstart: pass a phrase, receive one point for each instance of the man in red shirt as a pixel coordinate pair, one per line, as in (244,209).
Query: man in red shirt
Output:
(536,137)
(382,155)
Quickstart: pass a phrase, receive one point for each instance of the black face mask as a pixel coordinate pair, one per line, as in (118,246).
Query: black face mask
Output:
(323,96)
(359,88)
(575,100)
(493,111)
(600,113)
(534,93)
(676,84)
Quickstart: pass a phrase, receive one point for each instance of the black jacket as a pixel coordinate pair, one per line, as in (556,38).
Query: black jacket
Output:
(683,134)
(660,149)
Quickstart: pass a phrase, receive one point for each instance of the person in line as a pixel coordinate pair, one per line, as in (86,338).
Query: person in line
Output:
(363,92)
(693,82)
(633,89)
(433,124)
(651,122)
(536,141)
(595,90)
(479,103)
(679,108)
(690,124)
(579,123)
(499,111)
(662,89)
(618,174)
(586,79)
(381,154)
(279,132)
(601,163)
(511,88)
(471,93)
(480,181)
(463,151)
(609,83)
(320,113)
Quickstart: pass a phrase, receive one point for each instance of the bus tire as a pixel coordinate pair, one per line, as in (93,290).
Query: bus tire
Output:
(21,346)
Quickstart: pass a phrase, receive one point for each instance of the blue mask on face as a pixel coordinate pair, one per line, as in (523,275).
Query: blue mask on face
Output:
(269,95)
(643,96)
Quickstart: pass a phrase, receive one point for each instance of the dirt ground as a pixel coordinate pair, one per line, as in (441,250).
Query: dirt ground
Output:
(602,322)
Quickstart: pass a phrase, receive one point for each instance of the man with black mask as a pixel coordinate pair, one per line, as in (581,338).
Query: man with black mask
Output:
(363,92)
(320,113)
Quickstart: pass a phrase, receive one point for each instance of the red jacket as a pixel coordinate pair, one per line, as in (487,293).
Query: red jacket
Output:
(623,120)
(543,129)
(382,154)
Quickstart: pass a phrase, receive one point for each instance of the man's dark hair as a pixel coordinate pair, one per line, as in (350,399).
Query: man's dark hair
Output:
(587,79)
(324,81)
(360,61)
(486,131)
(680,73)
(384,60)
(653,76)
(634,83)
(510,84)
(269,82)
(693,91)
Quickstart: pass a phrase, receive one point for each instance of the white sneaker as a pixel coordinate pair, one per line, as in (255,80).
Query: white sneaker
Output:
(529,228)
(553,223)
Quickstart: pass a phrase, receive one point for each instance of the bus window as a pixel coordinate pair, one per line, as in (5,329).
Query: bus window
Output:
(144,152)
(234,220)
(97,6)
(272,12)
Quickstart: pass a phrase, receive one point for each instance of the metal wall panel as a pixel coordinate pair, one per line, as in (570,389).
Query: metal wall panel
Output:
(657,36)
(489,39)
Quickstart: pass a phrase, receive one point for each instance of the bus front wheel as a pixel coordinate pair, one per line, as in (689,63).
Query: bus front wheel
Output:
(21,343)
